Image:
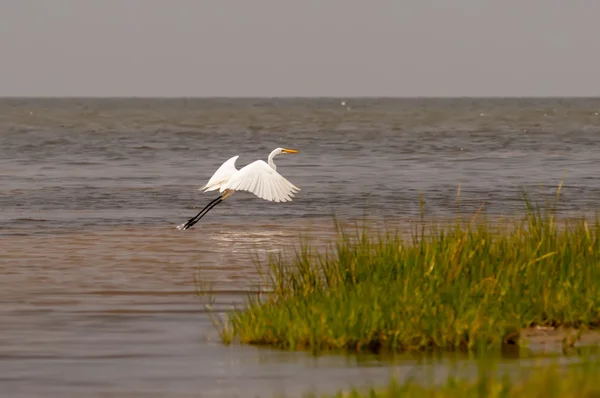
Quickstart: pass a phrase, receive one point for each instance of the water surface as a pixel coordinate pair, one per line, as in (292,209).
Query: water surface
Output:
(98,294)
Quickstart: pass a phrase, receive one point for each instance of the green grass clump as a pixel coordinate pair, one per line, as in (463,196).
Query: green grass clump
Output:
(460,286)
(544,382)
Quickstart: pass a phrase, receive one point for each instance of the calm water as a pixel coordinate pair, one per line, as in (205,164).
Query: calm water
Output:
(97,292)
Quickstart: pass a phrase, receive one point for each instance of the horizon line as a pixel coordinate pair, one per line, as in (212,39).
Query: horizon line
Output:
(299,97)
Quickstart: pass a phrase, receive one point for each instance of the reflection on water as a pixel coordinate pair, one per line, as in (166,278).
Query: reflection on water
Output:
(97,293)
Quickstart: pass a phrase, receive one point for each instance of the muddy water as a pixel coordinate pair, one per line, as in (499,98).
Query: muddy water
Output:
(115,311)
(97,293)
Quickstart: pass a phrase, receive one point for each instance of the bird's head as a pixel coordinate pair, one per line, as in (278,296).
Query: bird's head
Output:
(278,151)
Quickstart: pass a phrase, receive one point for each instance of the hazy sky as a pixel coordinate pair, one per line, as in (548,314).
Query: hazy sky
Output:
(299,48)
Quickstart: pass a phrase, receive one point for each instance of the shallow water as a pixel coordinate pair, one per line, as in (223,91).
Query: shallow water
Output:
(98,294)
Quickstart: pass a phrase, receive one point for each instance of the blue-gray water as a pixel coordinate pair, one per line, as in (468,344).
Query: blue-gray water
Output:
(97,284)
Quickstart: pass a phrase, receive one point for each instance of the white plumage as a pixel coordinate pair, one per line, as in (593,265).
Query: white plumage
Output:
(263,181)
(259,177)
(221,176)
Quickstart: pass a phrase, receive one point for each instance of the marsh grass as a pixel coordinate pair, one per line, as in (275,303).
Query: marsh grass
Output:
(461,286)
(550,381)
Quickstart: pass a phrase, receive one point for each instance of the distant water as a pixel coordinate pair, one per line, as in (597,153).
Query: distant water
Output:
(97,286)
(96,163)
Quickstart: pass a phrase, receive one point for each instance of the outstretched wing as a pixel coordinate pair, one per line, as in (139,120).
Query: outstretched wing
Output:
(221,176)
(260,179)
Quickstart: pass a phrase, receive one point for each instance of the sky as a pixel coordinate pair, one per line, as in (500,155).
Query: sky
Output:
(266,48)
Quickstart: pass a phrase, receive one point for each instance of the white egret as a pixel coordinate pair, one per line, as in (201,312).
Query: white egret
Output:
(259,177)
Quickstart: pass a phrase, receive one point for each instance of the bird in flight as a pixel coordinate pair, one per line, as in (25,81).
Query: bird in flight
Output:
(259,177)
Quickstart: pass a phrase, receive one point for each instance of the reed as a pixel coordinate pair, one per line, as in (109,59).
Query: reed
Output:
(458,286)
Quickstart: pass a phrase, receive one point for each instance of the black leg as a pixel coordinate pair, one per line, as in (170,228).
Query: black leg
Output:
(201,214)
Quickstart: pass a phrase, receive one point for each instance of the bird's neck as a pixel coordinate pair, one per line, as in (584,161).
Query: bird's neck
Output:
(270,160)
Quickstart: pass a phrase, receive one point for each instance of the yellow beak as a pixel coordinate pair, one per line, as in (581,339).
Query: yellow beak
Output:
(289,151)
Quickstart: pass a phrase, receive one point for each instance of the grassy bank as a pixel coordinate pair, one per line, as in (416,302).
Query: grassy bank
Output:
(544,382)
(458,286)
